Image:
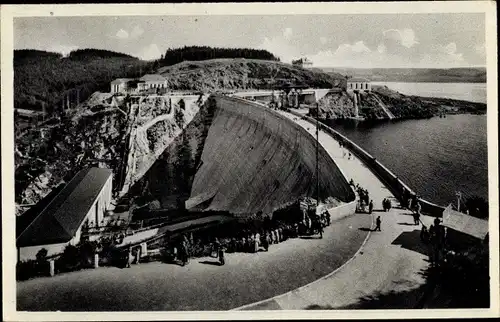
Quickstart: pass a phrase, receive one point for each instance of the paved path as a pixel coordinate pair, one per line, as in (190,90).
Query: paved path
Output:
(386,273)
(201,285)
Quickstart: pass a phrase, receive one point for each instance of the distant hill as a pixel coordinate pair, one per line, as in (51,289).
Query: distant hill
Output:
(48,80)
(217,74)
(45,78)
(452,75)
(197,53)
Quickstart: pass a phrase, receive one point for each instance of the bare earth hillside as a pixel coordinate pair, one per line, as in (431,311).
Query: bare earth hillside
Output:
(242,73)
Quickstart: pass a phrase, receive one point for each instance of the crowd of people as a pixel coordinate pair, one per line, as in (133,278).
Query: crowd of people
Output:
(247,240)
(363,198)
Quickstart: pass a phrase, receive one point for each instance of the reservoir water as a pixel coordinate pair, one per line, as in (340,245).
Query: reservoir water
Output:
(436,157)
(473,92)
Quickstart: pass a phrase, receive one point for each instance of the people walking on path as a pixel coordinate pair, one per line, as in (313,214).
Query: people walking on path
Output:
(370,207)
(377,223)
(221,256)
(389,204)
(416,215)
(265,241)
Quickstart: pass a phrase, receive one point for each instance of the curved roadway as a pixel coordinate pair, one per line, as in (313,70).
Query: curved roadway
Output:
(389,270)
(386,273)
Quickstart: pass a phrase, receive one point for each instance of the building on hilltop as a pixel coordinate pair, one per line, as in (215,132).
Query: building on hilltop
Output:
(302,62)
(80,203)
(359,84)
(120,85)
(152,81)
(145,83)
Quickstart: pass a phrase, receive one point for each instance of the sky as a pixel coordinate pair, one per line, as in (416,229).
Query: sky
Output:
(443,40)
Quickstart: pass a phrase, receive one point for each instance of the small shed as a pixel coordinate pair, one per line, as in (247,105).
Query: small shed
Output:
(359,84)
(464,230)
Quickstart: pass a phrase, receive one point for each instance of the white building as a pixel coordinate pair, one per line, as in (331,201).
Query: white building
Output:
(152,81)
(146,82)
(359,84)
(303,62)
(83,201)
(120,85)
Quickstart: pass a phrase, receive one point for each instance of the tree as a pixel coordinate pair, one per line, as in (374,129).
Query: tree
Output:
(179,117)
(41,256)
(477,206)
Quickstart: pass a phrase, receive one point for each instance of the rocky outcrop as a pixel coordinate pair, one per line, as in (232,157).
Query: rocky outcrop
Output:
(98,133)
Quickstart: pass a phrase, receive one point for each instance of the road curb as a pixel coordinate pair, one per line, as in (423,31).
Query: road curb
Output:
(313,282)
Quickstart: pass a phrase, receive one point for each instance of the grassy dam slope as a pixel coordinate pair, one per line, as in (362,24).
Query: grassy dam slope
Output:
(256,160)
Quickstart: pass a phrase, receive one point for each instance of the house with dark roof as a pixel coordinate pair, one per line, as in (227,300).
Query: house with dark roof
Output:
(359,84)
(83,201)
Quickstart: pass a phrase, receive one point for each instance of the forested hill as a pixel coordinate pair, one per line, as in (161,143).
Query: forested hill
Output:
(197,53)
(49,80)
(44,78)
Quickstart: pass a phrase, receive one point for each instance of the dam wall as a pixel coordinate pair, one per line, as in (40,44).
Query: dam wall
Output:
(257,160)
(390,179)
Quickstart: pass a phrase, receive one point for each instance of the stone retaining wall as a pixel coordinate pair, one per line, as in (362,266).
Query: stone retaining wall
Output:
(385,175)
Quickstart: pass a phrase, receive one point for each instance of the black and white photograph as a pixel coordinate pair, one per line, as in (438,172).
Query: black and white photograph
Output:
(250,158)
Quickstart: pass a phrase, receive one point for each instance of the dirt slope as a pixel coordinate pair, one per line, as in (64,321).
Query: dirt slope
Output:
(218,74)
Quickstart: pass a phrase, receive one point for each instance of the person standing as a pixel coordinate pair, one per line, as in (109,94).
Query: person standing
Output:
(419,209)
(370,207)
(417,214)
(221,256)
(265,241)
(377,223)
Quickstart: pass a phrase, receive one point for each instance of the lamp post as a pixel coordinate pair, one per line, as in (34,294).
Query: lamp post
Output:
(317,155)
(459,197)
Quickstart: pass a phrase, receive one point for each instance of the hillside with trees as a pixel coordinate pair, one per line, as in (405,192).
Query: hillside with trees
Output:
(46,80)
(197,53)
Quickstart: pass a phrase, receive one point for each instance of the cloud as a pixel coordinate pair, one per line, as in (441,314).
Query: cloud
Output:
(149,52)
(405,37)
(357,47)
(287,33)
(345,55)
(281,48)
(358,54)
(480,49)
(136,32)
(323,40)
(122,34)
(63,49)
(381,48)
(443,55)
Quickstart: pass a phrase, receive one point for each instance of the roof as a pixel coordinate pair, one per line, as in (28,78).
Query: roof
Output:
(153,78)
(121,80)
(357,79)
(59,221)
(464,223)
